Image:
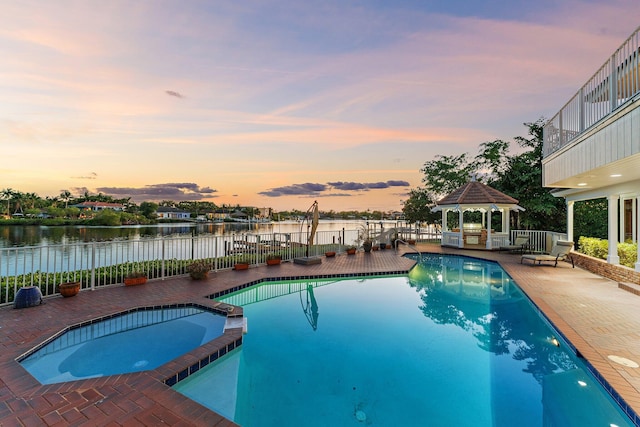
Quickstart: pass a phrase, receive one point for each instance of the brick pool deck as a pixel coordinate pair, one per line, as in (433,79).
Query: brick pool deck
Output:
(592,312)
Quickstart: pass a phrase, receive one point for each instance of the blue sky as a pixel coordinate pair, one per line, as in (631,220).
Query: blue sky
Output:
(279,103)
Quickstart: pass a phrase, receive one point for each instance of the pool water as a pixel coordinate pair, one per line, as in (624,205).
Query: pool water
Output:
(136,341)
(454,343)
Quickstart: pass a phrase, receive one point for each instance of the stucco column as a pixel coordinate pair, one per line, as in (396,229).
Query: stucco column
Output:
(489,229)
(612,256)
(570,220)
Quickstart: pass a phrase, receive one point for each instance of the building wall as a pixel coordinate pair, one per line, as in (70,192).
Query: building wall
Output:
(617,138)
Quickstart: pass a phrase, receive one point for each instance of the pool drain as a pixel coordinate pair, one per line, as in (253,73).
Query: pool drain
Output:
(361,416)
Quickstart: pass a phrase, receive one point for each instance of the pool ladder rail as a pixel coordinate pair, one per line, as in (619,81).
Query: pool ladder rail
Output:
(410,246)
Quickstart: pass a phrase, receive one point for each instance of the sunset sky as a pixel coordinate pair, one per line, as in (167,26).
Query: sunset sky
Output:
(279,103)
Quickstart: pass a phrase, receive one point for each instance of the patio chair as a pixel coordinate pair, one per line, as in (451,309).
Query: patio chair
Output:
(520,245)
(561,251)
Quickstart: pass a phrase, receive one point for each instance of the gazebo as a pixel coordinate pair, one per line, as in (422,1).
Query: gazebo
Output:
(475,196)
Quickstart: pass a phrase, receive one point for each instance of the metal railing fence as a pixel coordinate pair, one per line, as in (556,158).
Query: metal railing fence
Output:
(99,264)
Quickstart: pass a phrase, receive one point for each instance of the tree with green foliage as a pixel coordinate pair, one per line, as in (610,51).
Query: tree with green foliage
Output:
(106,217)
(446,173)
(418,206)
(148,209)
(519,176)
(590,218)
(522,180)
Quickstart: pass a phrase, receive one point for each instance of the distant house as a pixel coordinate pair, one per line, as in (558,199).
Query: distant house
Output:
(264,213)
(99,206)
(218,215)
(167,212)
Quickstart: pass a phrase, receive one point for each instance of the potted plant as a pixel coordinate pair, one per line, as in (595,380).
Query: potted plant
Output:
(199,270)
(242,263)
(274,259)
(135,278)
(330,254)
(364,238)
(383,245)
(69,289)
(351,250)
(394,240)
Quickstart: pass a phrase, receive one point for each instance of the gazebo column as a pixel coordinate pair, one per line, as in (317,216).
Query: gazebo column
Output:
(444,220)
(489,229)
(505,222)
(461,225)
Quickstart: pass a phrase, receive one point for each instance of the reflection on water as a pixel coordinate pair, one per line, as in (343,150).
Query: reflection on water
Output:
(480,298)
(34,235)
(456,329)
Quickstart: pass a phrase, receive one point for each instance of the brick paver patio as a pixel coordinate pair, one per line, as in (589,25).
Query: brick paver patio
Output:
(592,312)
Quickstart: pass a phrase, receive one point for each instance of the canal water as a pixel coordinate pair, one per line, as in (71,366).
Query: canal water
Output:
(19,236)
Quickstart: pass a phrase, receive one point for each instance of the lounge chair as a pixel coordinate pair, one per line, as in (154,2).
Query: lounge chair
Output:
(520,245)
(561,251)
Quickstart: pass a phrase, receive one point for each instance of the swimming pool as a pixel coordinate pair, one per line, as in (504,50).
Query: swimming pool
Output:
(454,343)
(139,340)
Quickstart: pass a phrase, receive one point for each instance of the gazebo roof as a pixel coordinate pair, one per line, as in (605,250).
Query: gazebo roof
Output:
(475,193)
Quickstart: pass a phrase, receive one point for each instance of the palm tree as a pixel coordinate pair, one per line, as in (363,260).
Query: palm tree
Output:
(66,196)
(18,198)
(7,194)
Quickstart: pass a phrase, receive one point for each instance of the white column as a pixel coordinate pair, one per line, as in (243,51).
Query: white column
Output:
(489,229)
(621,221)
(612,257)
(570,220)
(444,220)
(461,225)
(636,220)
(506,222)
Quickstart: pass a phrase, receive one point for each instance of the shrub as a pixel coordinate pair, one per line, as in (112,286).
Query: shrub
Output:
(593,246)
(598,248)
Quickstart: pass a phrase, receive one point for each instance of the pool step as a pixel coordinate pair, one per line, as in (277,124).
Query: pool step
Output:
(236,322)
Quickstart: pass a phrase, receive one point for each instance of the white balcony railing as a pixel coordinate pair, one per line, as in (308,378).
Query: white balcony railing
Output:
(615,84)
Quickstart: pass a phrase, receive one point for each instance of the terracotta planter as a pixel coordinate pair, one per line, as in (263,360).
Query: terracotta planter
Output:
(69,289)
(351,251)
(273,261)
(241,266)
(375,248)
(330,254)
(200,275)
(132,281)
(411,241)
